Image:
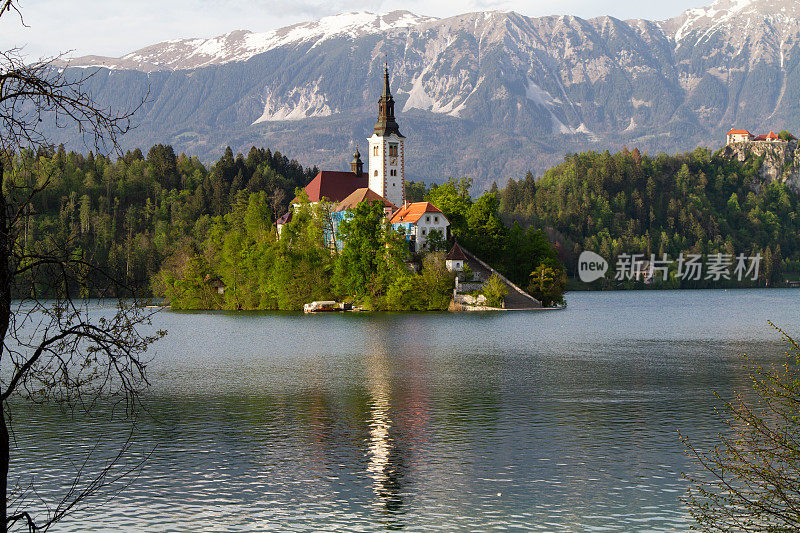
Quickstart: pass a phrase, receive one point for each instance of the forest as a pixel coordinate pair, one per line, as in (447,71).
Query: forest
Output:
(628,202)
(164,221)
(128,214)
(146,218)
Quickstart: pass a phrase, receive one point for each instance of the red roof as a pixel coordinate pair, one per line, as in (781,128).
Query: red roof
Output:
(363,195)
(456,254)
(772,135)
(738,132)
(413,212)
(760,138)
(333,185)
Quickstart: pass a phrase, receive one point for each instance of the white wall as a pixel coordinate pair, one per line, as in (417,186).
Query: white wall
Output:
(390,187)
(424,226)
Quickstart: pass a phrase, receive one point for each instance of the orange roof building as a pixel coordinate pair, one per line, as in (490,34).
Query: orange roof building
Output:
(413,212)
(738,136)
(418,221)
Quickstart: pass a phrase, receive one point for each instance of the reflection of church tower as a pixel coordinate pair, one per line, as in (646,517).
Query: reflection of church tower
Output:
(386,151)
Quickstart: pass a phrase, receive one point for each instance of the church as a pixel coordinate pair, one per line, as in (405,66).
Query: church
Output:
(384,181)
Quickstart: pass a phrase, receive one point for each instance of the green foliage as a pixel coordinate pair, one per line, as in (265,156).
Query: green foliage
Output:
(129,215)
(548,285)
(466,273)
(479,227)
(361,258)
(436,241)
(697,202)
(747,481)
(495,291)
(416,191)
(430,290)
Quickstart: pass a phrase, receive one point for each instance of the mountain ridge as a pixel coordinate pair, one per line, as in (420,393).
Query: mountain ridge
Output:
(485,94)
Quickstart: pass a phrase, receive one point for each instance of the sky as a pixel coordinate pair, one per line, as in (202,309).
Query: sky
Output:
(116,27)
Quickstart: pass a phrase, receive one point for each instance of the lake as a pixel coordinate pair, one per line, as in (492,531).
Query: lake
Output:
(546,420)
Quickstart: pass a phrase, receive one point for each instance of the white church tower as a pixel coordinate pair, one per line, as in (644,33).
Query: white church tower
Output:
(386,151)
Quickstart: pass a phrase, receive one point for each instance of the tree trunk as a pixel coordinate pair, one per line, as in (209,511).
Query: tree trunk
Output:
(4,462)
(5,317)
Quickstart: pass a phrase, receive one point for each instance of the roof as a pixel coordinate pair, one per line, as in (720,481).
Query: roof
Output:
(772,135)
(334,185)
(760,138)
(738,132)
(285,218)
(413,212)
(363,195)
(456,254)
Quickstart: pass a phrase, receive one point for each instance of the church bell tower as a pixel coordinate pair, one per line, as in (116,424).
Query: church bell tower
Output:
(386,151)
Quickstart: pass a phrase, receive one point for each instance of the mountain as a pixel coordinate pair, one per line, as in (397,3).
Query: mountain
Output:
(488,95)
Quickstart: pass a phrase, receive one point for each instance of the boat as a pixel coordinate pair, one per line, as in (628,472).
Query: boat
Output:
(323,306)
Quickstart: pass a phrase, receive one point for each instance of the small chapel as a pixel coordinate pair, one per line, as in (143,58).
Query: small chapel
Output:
(384,181)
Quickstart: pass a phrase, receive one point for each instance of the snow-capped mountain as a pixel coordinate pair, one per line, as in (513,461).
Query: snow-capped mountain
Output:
(488,94)
(241,45)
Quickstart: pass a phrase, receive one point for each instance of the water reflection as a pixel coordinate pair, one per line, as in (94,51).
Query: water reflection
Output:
(390,440)
(549,421)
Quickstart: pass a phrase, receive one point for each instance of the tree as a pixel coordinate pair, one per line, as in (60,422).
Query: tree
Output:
(56,350)
(547,285)
(436,241)
(358,264)
(749,480)
(495,291)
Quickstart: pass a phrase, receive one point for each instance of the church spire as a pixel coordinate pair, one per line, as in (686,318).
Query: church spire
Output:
(386,124)
(357,167)
(387,93)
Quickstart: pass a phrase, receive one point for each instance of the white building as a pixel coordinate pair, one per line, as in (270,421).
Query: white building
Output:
(386,151)
(455,259)
(738,136)
(418,220)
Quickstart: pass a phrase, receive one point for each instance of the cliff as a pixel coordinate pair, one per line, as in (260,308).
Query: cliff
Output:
(778,161)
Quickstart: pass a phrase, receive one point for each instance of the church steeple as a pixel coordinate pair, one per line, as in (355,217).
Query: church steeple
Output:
(387,154)
(356,166)
(386,124)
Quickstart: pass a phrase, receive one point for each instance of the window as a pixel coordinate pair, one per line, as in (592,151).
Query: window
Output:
(427,219)
(392,149)
(375,150)
(376,172)
(436,219)
(393,172)
(423,232)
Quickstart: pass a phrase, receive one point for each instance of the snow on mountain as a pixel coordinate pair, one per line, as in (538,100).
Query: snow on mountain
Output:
(530,88)
(241,45)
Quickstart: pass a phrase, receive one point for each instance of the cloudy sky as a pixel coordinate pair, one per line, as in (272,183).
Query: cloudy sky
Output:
(115,27)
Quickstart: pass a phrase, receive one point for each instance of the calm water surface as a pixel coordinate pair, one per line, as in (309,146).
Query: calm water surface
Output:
(550,421)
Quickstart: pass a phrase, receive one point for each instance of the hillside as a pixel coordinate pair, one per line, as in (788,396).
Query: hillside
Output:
(503,92)
(631,203)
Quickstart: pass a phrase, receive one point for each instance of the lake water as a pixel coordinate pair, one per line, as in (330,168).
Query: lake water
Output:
(551,420)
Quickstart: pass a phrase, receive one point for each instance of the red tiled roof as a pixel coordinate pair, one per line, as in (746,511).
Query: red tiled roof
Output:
(772,135)
(738,132)
(363,195)
(760,138)
(413,212)
(456,254)
(334,185)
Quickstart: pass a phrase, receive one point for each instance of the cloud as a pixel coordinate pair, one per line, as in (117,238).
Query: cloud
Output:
(115,27)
